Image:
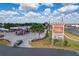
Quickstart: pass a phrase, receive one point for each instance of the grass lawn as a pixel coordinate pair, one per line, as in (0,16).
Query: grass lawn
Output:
(72,36)
(73,41)
(46,43)
(4,43)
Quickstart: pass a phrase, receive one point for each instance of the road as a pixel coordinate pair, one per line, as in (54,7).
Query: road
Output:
(11,51)
(73,30)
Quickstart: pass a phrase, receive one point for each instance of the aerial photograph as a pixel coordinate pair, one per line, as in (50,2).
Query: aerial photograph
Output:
(39,29)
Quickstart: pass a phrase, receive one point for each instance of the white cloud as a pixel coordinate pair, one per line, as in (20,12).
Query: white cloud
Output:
(47,11)
(31,14)
(48,4)
(13,8)
(8,17)
(5,15)
(75,14)
(3,12)
(68,8)
(28,6)
(69,18)
(55,12)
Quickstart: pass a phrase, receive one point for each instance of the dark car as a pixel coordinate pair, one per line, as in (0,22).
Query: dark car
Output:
(18,43)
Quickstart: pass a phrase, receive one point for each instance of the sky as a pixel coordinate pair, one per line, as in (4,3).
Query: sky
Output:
(39,12)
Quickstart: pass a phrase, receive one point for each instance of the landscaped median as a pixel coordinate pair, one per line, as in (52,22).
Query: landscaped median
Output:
(4,42)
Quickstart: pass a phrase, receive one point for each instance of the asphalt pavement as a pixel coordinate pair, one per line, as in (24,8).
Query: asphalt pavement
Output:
(12,51)
(12,37)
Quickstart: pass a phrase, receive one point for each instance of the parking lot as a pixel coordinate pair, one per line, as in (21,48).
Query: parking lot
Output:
(26,38)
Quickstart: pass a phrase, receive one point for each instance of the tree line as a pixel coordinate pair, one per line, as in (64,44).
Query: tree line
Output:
(8,25)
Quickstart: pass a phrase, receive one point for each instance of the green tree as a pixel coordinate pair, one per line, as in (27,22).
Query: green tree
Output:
(7,26)
(38,28)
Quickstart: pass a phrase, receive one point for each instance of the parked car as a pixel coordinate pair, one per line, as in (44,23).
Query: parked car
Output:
(18,43)
(1,35)
(20,32)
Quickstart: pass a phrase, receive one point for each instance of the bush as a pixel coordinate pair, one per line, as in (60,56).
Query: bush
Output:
(65,43)
(59,43)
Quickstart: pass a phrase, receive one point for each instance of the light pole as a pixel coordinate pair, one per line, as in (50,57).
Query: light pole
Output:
(49,18)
